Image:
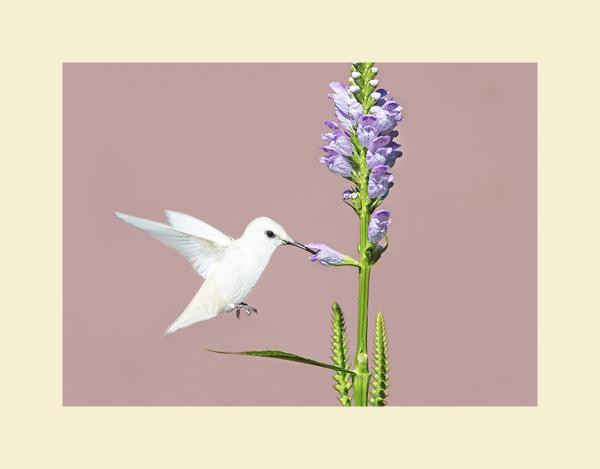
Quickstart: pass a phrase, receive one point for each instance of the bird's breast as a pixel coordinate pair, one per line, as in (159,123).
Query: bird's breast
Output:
(239,271)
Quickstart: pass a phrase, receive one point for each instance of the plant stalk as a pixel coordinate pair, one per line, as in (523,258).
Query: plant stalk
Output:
(361,363)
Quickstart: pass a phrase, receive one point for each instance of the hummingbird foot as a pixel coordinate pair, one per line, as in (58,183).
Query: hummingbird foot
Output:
(244,307)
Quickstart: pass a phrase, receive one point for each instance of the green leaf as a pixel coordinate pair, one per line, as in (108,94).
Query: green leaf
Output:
(283,356)
(381,364)
(340,357)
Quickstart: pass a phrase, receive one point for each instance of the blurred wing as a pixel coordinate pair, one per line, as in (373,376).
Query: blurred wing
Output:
(188,224)
(203,254)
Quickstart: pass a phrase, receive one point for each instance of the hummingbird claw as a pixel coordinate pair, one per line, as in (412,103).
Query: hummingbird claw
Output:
(245,307)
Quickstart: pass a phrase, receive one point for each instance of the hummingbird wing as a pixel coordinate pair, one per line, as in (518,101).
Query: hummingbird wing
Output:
(204,254)
(189,224)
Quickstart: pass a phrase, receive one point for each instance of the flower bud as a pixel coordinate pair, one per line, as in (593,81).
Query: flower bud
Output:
(348,194)
(375,95)
(354,89)
(355,74)
(374,70)
(374,82)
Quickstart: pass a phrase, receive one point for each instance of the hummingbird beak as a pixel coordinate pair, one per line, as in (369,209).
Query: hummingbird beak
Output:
(299,245)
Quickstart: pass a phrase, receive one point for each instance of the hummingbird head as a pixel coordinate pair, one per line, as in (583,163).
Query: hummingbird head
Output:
(269,231)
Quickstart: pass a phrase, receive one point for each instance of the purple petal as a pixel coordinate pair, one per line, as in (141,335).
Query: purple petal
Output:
(366,135)
(380,221)
(348,109)
(330,150)
(345,120)
(325,255)
(377,158)
(337,164)
(335,130)
(379,181)
(367,121)
(391,106)
(338,143)
(394,154)
(343,143)
(385,119)
(379,142)
(338,87)
(333,126)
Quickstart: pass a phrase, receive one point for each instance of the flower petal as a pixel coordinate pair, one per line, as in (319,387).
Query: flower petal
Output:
(380,221)
(379,181)
(326,255)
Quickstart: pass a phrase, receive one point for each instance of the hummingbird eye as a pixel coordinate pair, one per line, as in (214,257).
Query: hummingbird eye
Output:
(270,234)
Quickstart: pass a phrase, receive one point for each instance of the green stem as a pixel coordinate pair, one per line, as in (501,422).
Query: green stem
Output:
(361,380)
(363,286)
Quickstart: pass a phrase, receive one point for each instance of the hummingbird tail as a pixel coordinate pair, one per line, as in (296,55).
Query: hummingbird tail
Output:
(202,307)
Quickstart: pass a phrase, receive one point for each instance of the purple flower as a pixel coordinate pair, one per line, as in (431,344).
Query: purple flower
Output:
(380,221)
(336,162)
(387,112)
(347,108)
(379,181)
(337,139)
(326,255)
(380,142)
(379,157)
(367,130)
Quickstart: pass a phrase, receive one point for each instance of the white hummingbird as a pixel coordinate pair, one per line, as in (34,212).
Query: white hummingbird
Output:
(230,267)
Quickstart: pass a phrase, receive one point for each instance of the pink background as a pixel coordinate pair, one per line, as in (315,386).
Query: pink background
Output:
(229,142)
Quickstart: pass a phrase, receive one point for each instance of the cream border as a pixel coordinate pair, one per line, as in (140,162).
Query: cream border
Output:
(36,432)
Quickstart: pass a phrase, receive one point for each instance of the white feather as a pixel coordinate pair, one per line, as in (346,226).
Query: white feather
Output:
(203,254)
(188,224)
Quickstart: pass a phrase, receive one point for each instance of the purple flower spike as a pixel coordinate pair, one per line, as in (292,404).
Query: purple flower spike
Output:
(355,135)
(379,181)
(380,221)
(326,255)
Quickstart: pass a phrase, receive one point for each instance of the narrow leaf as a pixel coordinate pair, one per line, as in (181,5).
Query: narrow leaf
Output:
(339,348)
(381,364)
(283,356)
